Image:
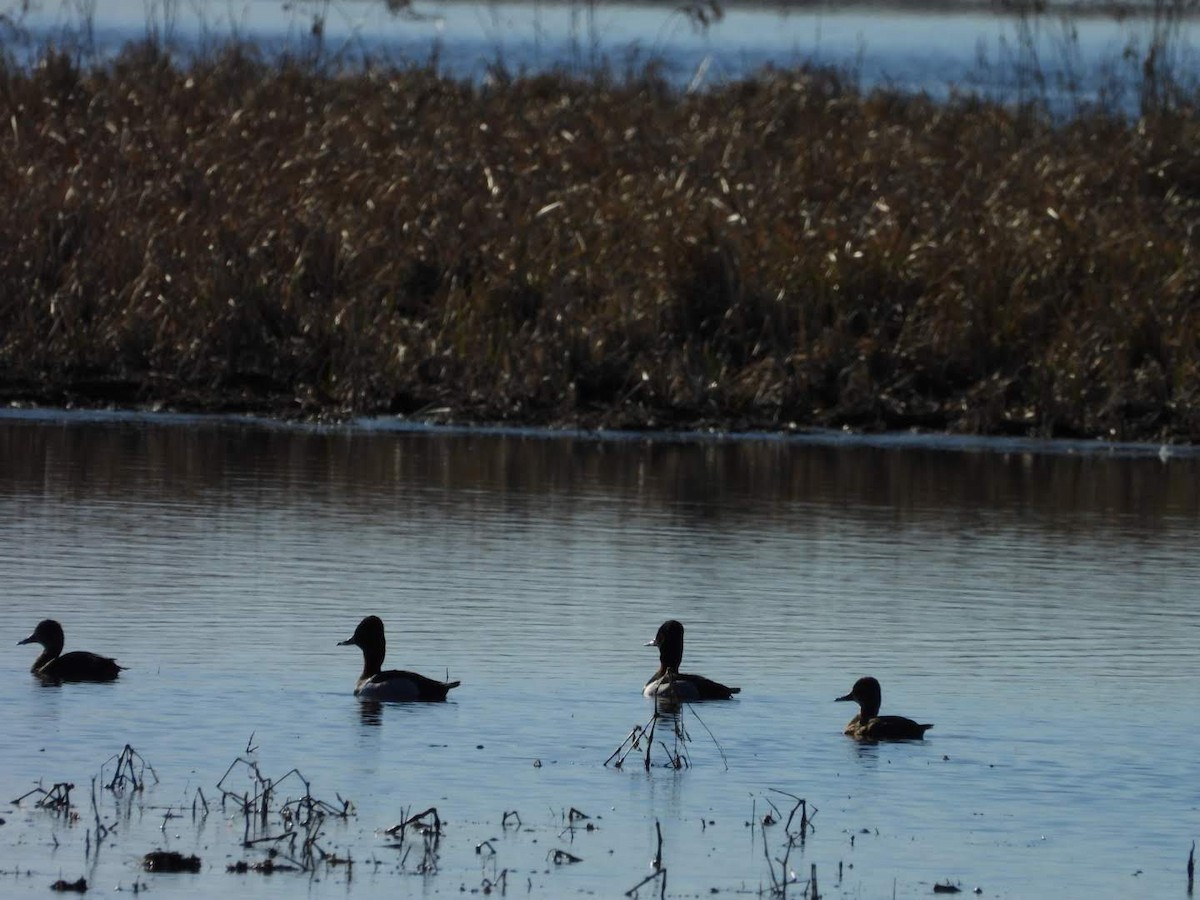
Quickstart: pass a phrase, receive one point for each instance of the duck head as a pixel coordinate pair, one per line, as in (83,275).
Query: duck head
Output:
(867,694)
(368,637)
(49,634)
(669,641)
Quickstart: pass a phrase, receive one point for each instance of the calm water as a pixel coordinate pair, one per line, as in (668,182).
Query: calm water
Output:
(1039,608)
(971,45)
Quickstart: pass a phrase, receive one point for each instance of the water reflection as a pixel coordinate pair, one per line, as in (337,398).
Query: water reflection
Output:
(370,712)
(1014,598)
(865,752)
(696,481)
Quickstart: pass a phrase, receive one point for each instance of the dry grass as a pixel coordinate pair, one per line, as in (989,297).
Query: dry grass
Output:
(784,251)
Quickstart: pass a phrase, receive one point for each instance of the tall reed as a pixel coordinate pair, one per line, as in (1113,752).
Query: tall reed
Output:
(786,250)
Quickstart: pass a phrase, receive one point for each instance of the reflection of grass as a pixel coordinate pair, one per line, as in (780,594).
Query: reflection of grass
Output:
(642,739)
(291,829)
(786,249)
(1045,60)
(792,839)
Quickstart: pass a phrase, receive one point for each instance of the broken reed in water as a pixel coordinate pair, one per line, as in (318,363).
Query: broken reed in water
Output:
(784,251)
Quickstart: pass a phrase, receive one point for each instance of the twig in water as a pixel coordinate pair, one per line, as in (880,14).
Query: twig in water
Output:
(650,737)
(805,818)
(302,818)
(513,815)
(572,816)
(632,740)
(430,831)
(1191,868)
(676,759)
(204,802)
(101,828)
(130,771)
(779,883)
(660,871)
(716,743)
(771,818)
(562,857)
(661,874)
(57,799)
(421,819)
(289,836)
(500,881)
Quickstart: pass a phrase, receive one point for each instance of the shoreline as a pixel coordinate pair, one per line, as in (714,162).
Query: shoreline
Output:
(442,423)
(781,253)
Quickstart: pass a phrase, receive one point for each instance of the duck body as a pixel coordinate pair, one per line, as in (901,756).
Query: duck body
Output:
(868,725)
(886,728)
(687,688)
(668,682)
(79,665)
(54,666)
(402,687)
(393,685)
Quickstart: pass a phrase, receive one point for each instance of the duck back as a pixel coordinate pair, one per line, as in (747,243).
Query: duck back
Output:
(79,665)
(403,687)
(688,688)
(887,728)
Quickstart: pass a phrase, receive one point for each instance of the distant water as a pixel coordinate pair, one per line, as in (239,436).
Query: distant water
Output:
(1038,608)
(1073,57)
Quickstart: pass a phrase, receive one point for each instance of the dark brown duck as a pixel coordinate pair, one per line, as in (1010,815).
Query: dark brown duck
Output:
(869,725)
(79,665)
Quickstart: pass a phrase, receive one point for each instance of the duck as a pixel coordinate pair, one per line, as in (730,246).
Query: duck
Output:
(869,725)
(54,666)
(375,684)
(668,682)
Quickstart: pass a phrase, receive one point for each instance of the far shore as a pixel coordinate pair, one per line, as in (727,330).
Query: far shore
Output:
(789,251)
(130,398)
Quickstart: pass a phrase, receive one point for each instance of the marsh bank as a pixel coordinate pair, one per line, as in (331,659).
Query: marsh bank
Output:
(301,237)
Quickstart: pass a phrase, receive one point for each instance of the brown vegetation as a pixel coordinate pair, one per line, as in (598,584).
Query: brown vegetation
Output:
(780,252)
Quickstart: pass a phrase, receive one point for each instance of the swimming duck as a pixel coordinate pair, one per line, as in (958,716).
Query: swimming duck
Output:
(375,684)
(668,682)
(869,725)
(78,665)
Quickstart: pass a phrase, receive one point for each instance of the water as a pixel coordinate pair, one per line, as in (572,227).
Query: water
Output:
(1038,608)
(1069,57)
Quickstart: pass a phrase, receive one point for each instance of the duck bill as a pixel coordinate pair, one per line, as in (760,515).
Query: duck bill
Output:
(32,639)
(849,696)
(653,643)
(346,643)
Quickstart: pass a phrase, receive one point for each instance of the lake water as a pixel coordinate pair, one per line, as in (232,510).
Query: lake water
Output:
(983,47)
(1038,607)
